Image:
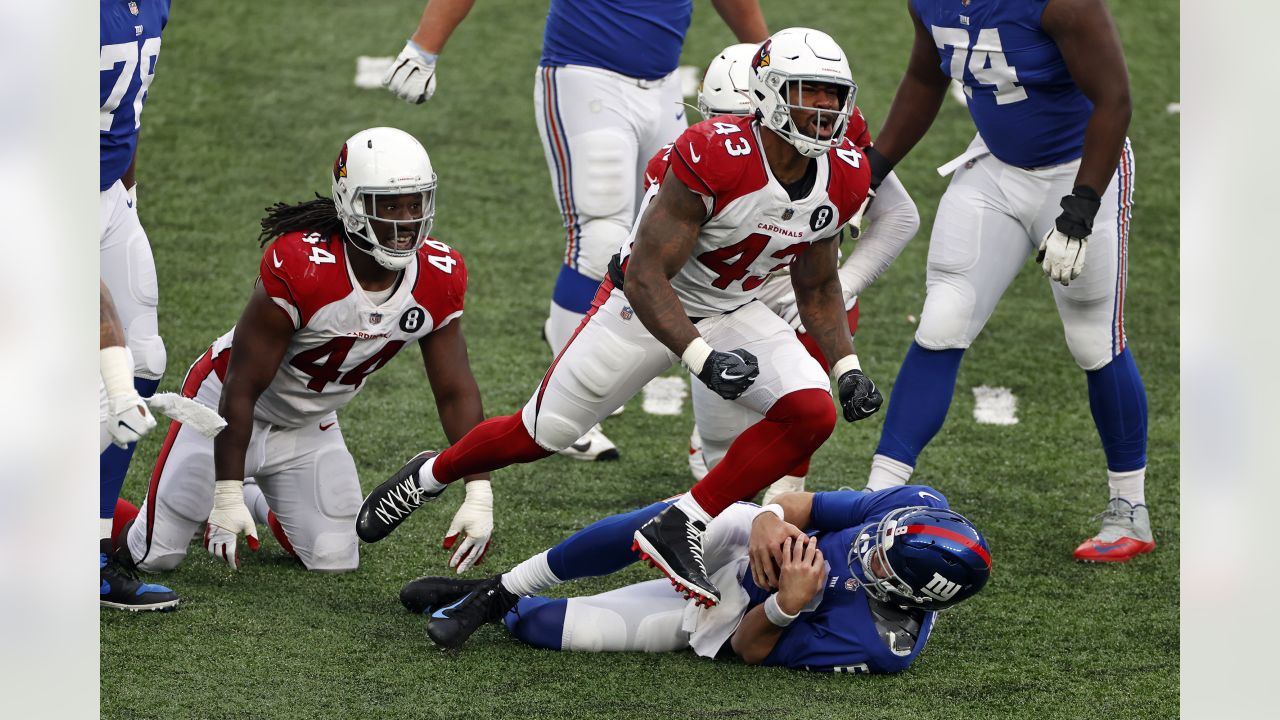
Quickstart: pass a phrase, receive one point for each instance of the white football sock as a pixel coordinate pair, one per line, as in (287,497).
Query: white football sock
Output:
(531,576)
(692,509)
(561,324)
(887,472)
(255,501)
(1129,485)
(427,479)
(104,528)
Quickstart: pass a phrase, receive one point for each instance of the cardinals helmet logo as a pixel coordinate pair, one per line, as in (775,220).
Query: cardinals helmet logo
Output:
(340,165)
(762,56)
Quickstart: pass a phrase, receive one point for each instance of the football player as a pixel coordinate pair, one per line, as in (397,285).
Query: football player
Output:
(743,199)
(606,97)
(860,580)
(1050,172)
(128,52)
(343,285)
(892,221)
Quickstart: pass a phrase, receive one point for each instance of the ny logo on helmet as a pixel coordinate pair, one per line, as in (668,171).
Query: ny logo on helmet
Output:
(940,588)
(762,56)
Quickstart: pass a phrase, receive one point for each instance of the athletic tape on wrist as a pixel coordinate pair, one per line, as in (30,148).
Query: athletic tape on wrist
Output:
(776,614)
(695,355)
(116,367)
(774,508)
(844,365)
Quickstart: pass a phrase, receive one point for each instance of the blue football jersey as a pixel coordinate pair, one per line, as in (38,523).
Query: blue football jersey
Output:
(1027,108)
(637,38)
(128,49)
(840,635)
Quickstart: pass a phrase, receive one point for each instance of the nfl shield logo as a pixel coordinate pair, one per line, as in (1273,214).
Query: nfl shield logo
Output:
(786,214)
(375,318)
(626,312)
(133,8)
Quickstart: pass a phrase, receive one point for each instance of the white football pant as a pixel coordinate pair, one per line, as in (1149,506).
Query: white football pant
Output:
(129,272)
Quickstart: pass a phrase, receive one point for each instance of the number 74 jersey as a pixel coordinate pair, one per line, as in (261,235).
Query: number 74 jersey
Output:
(341,334)
(753,228)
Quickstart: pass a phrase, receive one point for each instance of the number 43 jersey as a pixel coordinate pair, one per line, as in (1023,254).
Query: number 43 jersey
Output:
(341,334)
(753,228)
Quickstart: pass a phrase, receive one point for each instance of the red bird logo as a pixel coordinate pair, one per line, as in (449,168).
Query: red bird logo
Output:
(340,165)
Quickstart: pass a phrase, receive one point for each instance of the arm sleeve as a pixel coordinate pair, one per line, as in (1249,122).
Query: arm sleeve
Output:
(844,508)
(892,220)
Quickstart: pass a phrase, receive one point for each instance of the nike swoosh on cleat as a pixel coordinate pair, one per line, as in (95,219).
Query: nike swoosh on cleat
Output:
(581,447)
(440,613)
(1104,549)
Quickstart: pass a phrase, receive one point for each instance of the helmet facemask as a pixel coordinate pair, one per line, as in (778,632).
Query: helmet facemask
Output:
(882,582)
(392,223)
(829,124)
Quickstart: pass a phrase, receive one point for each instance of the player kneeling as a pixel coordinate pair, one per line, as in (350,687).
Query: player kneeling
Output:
(320,320)
(858,594)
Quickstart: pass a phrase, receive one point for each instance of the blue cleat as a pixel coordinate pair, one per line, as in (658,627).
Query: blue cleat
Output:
(121,590)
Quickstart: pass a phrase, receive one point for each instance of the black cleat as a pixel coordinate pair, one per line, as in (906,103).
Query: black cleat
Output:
(120,589)
(450,626)
(671,542)
(427,593)
(392,501)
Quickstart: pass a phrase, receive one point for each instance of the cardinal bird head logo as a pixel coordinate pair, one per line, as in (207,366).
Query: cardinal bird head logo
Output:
(340,165)
(762,56)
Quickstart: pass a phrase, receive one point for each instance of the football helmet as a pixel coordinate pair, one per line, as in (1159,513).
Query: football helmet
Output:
(782,67)
(922,557)
(724,88)
(374,164)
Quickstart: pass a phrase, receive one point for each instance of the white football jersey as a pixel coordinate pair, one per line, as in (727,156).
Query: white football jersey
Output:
(753,228)
(341,335)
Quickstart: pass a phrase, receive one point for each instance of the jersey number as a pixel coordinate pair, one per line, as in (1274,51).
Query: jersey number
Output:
(133,57)
(741,147)
(986,62)
(732,262)
(324,364)
(443,263)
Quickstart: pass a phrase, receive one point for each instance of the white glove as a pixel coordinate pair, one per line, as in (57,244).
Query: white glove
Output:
(474,519)
(190,413)
(128,419)
(229,518)
(1061,256)
(412,77)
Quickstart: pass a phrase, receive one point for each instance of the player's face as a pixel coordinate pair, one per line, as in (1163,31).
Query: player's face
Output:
(807,98)
(396,219)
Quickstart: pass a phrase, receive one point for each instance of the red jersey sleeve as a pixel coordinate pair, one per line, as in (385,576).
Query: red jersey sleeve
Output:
(303,272)
(720,160)
(849,179)
(441,286)
(858,130)
(656,169)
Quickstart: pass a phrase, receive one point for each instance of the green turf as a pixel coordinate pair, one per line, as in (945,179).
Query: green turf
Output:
(250,104)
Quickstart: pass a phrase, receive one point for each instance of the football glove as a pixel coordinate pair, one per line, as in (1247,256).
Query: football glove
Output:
(412,77)
(858,396)
(474,521)
(729,374)
(128,419)
(229,518)
(1062,251)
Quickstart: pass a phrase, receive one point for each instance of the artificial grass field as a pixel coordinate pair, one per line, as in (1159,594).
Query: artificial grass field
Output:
(250,105)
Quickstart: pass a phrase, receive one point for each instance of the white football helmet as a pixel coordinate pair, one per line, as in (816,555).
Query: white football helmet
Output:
(780,69)
(375,163)
(724,88)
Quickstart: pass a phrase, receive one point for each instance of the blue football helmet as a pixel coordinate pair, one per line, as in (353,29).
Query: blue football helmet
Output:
(922,557)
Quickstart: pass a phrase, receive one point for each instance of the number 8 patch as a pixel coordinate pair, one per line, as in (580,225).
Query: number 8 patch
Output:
(412,319)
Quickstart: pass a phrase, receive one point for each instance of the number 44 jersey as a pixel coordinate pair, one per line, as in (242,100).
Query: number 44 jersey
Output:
(341,334)
(752,228)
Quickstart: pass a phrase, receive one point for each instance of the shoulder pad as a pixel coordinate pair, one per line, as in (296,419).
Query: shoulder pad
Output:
(721,159)
(656,169)
(305,271)
(442,282)
(848,179)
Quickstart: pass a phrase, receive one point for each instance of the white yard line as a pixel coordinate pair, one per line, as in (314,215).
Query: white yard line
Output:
(995,406)
(665,396)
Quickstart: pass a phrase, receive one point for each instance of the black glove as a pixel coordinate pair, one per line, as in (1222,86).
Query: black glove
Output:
(1078,210)
(858,396)
(729,374)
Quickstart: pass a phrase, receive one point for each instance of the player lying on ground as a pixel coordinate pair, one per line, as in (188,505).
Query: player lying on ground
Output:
(344,285)
(1050,171)
(742,200)
(859,582)
(891,222)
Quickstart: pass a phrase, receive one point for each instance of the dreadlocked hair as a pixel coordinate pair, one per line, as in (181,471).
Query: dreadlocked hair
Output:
(319,216)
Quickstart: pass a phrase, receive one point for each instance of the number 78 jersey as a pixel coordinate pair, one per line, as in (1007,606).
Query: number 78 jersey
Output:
(341,335)
(753,228)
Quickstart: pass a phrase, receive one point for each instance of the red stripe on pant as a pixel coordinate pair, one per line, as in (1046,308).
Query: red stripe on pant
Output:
(502,441)
(795,427)
(199,372)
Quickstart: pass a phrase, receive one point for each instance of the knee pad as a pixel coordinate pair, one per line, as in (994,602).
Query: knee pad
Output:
(337,484)
(149,355)
(1090,349)
(599,241)
(947,316)
(554,432)
(611,358)
(603,173)
(810,413)
(332,552)
(594,629)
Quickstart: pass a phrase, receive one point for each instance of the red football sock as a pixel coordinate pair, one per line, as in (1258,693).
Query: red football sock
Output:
(790,432)
(124,514)
(491,445)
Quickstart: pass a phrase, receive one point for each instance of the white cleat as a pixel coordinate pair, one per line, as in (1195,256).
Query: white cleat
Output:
(592,446)
(785,484)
